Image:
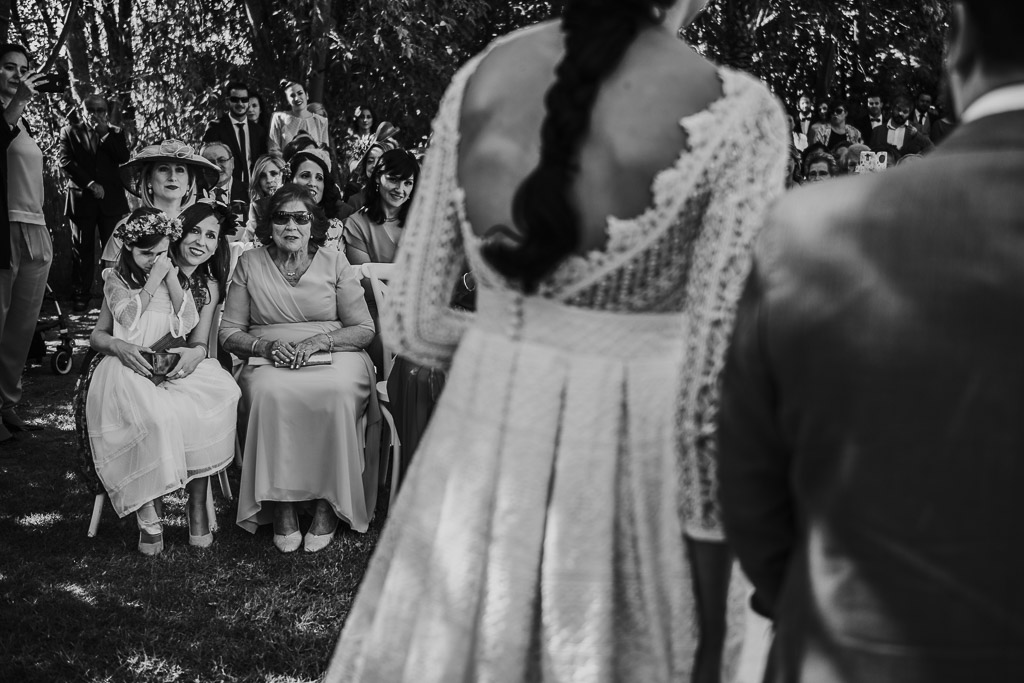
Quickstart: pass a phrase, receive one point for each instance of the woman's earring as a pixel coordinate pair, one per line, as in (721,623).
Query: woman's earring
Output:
(657,14)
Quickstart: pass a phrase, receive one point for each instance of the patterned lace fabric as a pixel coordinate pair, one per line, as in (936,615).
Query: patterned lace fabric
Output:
(687,253)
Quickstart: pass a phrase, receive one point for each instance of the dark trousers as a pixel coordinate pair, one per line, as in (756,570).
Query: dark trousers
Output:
(83,249)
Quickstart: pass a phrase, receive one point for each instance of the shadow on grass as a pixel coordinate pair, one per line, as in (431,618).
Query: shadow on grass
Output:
(81,609)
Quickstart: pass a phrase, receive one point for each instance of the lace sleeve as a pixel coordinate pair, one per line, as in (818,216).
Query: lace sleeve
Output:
(751,178)
(419,318)
(123,302)
(187,316)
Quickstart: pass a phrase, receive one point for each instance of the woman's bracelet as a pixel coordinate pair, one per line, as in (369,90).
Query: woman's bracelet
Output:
(252,350)
(330,342)
(196,345)
(466,284)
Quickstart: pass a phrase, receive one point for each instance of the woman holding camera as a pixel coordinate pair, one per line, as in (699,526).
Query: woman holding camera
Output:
(25,247)
(150,437)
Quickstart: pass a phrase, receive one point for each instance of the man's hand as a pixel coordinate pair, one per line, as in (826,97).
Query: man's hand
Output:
(97,190)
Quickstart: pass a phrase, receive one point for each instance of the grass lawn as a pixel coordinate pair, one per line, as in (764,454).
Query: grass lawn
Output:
(74,608)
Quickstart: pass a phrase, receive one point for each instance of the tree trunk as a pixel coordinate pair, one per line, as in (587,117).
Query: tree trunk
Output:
(77,50)
(320,25)
(6,9)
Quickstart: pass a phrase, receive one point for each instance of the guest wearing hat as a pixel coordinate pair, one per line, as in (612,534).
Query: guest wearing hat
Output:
(166,177)
(311,168)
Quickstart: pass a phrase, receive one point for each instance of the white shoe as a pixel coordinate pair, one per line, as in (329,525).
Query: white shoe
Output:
(289,543)
(314,543)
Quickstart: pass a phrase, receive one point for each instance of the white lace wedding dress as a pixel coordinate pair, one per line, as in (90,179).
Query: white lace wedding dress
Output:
(539,535)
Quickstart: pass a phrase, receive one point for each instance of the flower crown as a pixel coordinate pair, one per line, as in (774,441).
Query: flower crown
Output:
(134,229)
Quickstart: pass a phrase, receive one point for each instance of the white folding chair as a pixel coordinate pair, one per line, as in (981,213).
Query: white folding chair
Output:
(377,274)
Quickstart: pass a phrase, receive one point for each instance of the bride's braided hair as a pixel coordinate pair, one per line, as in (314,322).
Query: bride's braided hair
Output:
(597,35)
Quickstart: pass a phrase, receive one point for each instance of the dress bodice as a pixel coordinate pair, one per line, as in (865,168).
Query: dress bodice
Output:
(686,255)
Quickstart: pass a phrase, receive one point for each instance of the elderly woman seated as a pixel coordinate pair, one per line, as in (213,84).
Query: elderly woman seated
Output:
(296,312)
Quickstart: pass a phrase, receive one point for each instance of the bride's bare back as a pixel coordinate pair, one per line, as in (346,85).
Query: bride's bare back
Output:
(634,131)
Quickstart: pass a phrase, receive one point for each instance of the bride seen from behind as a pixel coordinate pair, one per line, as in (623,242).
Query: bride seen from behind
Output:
(558,521)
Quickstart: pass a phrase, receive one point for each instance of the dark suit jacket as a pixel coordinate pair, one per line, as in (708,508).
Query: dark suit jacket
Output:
(223,130)
(83,165)
(913,141)
(872,420)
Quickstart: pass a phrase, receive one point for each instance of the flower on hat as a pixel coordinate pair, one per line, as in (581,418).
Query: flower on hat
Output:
(140,225)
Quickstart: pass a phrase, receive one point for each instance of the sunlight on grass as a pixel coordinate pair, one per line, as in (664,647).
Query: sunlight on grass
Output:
(40,520)
(147,665)
(79,592)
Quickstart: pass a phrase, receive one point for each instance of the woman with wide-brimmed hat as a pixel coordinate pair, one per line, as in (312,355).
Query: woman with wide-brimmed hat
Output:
(165,176)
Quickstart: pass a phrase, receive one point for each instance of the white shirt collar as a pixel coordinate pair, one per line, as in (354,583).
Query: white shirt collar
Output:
(998,101)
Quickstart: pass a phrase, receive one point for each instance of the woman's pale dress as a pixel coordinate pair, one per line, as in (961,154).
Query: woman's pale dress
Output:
(305,438)
(149,440)
(539,535)
(285,127)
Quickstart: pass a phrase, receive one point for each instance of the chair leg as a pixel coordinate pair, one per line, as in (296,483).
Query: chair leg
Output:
(97,510)
(396,454)
(225,485)
(211,513)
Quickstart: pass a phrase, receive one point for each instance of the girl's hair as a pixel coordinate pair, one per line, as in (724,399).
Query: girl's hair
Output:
(331,196)
(219,264)
(597,35)
(126,266)
(287,193)
(146,196)
(397,163)
(264,162)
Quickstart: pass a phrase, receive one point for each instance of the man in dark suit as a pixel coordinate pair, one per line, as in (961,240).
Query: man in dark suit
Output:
(873,116)
(898,136)
(245,139)
(871,422)
(90,154)
(924,114)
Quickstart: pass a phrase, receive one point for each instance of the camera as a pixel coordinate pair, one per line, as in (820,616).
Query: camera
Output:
(53,83)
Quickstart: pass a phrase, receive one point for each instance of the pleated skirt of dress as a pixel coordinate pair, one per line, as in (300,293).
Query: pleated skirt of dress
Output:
(537,536)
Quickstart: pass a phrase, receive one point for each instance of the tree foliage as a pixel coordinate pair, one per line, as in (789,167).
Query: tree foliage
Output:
(164,62)
(830,48)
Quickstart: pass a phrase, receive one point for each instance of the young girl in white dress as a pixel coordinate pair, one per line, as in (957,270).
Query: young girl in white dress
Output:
(151,439)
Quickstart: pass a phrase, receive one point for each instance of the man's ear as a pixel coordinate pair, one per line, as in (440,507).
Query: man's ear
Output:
(962,53)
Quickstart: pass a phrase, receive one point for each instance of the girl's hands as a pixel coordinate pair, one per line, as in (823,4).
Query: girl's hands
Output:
(162,266)
(131,357)
(191,357)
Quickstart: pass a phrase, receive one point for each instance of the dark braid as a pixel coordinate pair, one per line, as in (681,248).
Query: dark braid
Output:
(597,35)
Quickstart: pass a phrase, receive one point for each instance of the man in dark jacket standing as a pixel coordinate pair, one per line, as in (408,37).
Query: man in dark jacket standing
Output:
(90,154)
(872,418)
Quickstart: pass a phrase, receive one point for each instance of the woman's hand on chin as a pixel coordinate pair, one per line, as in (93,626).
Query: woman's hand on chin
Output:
(131,357)
(190,358)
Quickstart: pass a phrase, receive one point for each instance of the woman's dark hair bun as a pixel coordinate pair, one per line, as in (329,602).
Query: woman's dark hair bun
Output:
(597,35)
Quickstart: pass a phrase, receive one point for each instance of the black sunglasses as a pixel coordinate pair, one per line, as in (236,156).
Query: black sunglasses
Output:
(239,100)
(300,217)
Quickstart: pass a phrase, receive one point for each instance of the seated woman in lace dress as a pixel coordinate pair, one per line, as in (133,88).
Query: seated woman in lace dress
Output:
(149,439)
(304,443)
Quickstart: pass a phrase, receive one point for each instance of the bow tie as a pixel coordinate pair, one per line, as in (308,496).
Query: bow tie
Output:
(805,117)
